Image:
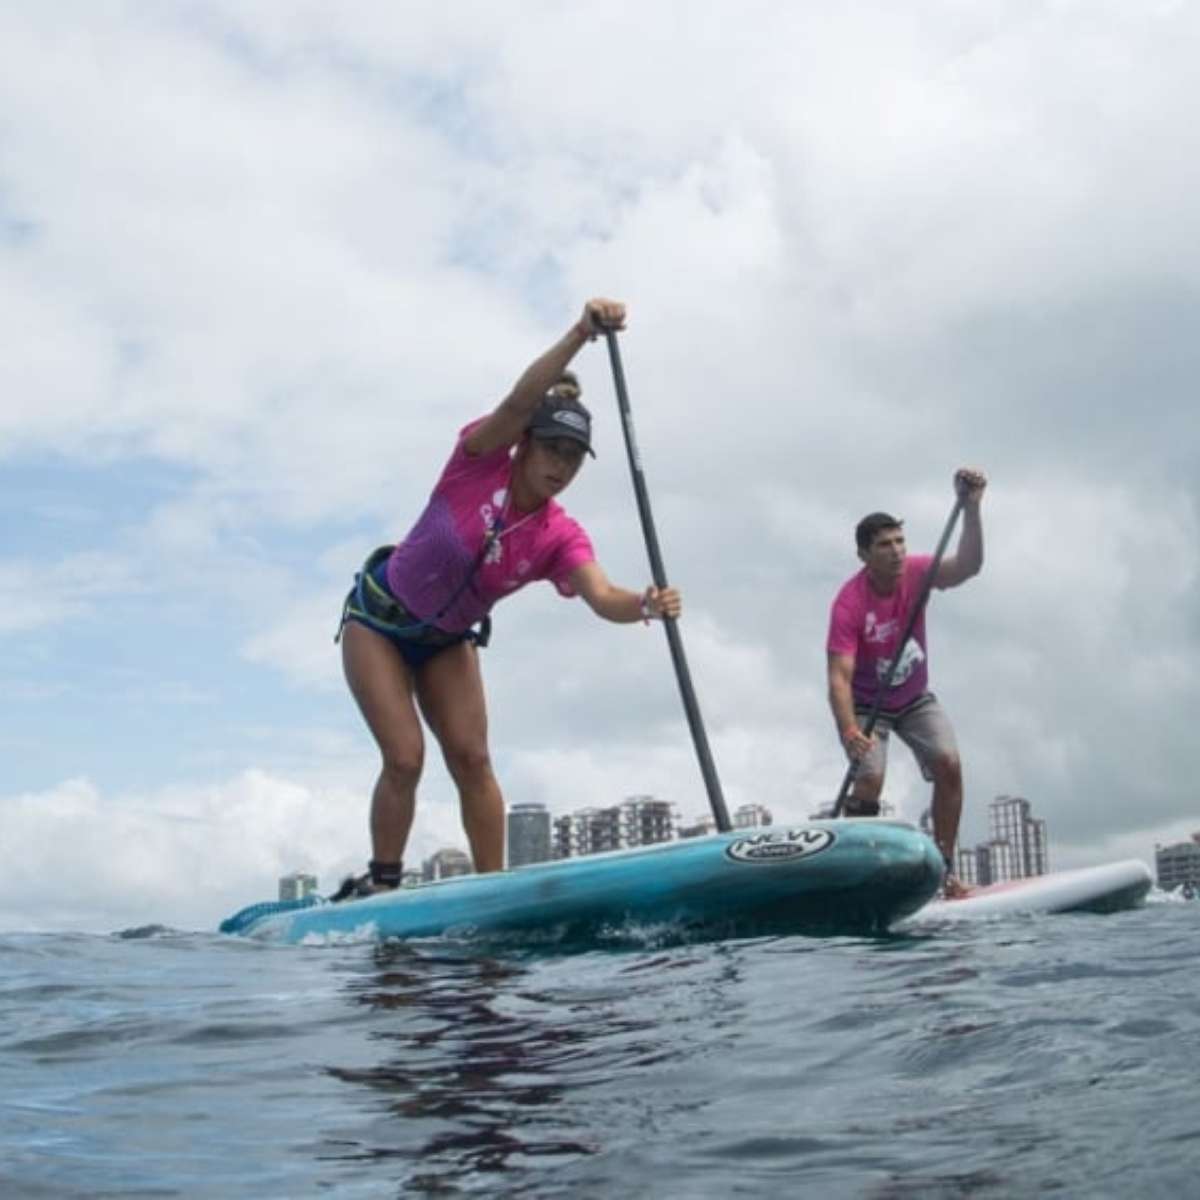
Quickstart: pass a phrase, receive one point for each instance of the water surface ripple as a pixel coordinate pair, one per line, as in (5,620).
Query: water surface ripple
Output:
(1013,1058)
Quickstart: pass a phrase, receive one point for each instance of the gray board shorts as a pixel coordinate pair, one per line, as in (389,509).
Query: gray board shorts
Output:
(922,726)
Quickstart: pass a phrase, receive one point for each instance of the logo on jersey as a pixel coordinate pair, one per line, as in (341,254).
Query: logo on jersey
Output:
(876,632)
(492,515)
(912,657)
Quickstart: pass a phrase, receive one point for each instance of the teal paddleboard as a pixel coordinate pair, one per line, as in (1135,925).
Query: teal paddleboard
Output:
(825,877)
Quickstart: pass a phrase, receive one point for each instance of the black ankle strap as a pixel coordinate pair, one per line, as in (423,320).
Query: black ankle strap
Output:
(385,874)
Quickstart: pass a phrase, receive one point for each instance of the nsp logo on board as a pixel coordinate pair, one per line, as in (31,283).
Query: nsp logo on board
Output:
(780,845)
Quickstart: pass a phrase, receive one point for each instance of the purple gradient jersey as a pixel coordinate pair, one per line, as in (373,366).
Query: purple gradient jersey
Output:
(429,566)
(867,625)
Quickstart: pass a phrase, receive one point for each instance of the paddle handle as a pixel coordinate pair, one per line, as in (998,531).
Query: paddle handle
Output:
(658,573)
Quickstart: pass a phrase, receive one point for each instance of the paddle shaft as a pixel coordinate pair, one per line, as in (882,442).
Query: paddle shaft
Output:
(659,574)
(922,597)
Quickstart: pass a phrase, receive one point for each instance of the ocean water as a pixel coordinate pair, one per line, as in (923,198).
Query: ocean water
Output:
(1019,1057)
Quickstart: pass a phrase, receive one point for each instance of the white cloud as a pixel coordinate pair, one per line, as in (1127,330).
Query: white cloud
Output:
(172,858)
(38,594)
(183,857)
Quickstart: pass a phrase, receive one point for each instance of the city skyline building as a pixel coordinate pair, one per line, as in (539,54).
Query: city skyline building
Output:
(966,865)
(751,816)
(297,886)
(445,864)
(528,834)
(646,820)
(1178,865)
(584,831)
(996,862)
(1012,821)
(1017,847)
(636,821)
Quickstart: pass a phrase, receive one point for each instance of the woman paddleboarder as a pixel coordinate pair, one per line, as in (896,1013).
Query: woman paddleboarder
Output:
(417,615)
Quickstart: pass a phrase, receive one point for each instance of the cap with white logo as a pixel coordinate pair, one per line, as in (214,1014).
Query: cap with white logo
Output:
(563,416)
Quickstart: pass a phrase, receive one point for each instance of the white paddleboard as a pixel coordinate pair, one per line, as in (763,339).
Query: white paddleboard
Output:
(1108,888)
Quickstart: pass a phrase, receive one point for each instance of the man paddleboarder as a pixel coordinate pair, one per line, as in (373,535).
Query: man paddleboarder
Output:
(868,616)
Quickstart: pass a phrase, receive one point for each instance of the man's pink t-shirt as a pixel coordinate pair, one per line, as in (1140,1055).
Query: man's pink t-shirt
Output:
(429,566)
(867,625)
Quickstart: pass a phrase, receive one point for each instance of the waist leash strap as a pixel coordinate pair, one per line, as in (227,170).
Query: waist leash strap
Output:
(371,603)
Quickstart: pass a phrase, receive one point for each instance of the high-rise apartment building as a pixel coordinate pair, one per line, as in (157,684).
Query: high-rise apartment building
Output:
(645,821)
(586,831)
(1017,848)
(528,834)
(444,864)
(1012,821)
(749,816)
(994,863)
(967,866)
(1178,865)
(297,886)
(636,821)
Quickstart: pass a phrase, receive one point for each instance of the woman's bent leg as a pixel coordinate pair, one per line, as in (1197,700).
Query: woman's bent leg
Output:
(450,690)
(382,685)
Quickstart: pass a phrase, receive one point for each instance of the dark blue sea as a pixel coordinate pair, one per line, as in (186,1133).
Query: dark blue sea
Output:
(1020,1057)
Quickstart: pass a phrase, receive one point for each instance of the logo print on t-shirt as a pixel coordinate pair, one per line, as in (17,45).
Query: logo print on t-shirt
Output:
(876,632)
(910,659)
(492,515)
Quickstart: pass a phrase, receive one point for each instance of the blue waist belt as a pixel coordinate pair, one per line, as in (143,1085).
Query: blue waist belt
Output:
(370,602)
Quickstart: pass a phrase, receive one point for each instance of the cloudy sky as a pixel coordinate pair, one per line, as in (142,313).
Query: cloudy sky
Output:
(259,261)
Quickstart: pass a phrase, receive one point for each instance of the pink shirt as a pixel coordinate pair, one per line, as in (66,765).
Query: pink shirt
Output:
(429,566)
(867,626)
